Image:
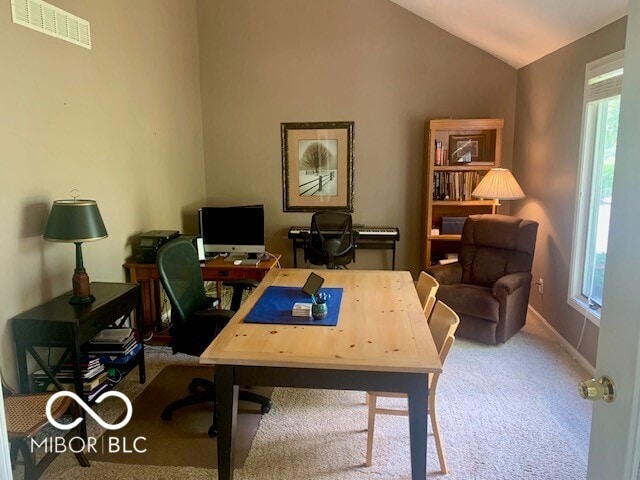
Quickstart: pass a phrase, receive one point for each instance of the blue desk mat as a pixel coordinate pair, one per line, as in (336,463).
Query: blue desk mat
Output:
(276,303)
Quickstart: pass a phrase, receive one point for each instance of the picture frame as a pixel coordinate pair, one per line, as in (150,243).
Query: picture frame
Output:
(317,166)
(472,149)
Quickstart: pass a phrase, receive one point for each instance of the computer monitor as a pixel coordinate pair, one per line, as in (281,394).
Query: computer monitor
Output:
(232,229)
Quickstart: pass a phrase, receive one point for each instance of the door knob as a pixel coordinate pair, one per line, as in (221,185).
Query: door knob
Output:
(603,388)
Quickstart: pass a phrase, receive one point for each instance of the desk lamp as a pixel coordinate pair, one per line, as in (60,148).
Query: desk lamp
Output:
(499,184)
(76,221)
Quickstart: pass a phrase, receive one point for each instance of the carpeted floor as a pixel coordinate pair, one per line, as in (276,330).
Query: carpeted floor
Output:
(506,412)
(183,440)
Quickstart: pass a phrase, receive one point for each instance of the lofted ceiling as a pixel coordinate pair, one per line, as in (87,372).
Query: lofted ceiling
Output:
(518,31)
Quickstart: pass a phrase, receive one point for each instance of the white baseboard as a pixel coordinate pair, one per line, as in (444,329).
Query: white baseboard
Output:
(577,356)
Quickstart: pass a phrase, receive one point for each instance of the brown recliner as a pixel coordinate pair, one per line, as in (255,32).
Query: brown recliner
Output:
(489,285)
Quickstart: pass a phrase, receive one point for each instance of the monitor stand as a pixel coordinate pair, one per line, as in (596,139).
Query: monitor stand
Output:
(235,256)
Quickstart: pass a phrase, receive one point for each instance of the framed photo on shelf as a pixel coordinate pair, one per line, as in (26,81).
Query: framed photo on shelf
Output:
(469,149)
(317,166)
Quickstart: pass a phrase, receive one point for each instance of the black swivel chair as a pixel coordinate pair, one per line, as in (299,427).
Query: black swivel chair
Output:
(331,240)
(195,321)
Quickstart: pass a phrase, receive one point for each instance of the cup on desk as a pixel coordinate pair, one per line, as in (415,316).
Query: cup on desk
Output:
(319,311)
(319,307)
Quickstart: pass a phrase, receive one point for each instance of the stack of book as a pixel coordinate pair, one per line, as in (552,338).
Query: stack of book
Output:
(94,377)
(113,346)
(301,310)
(112,342)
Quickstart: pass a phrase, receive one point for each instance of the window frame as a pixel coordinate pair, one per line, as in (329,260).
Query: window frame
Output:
(583,213)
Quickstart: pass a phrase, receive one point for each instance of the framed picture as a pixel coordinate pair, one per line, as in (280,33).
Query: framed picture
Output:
(317,166)
(469,149)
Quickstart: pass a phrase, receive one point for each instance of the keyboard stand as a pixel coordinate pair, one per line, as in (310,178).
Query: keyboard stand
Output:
(364,240)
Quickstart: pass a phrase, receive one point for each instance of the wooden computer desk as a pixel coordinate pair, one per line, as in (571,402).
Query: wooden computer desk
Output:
(217,270)
(381,342)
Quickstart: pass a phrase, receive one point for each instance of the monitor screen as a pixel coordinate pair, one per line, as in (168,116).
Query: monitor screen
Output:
(232,229)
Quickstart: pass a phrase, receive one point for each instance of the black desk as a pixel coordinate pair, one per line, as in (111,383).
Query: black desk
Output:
(57,323)
(367,238)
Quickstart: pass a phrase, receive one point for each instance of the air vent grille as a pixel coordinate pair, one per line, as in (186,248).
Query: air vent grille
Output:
(51,20)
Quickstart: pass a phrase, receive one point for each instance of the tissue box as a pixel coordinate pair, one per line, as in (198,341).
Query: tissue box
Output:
(452,225)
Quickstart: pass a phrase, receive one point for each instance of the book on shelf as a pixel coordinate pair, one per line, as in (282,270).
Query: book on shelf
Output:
(112,335)
(87,386)
(456,186)
(438,153)
(66,377)
(66,373)
(119,346)
(119,359)
(112,339)
(114,350)
(94,393)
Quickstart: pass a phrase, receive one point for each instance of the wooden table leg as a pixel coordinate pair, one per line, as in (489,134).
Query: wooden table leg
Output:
(418,401)
(227,411)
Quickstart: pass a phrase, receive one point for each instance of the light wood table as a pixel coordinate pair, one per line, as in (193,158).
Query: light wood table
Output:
(381,342)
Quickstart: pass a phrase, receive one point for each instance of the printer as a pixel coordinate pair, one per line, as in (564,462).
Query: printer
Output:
(149,243)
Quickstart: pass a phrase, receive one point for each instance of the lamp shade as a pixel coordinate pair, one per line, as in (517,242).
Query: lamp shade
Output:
(499,184)
(75,221)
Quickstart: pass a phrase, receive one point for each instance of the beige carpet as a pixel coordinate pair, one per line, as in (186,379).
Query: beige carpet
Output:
(506,413)
(182,441)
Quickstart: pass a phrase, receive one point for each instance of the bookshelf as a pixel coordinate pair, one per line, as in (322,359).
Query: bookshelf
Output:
(458,152)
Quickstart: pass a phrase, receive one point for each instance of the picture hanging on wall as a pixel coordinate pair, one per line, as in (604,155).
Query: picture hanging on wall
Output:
(317,166)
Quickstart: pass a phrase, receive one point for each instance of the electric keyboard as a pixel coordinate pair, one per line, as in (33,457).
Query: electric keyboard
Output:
(382,233)
(371,238)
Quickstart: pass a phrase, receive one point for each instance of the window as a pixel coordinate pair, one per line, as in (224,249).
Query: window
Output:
(603,84)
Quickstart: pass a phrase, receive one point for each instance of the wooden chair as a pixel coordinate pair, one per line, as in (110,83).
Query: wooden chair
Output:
(427,287)
(444,323)
(25,415)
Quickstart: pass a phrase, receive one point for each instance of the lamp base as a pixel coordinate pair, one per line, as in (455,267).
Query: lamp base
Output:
(81,293)
(80,300)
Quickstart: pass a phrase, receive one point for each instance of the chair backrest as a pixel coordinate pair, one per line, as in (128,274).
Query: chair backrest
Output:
(181,277)
(427,287)
(443,325)
(331,238)
(494,246)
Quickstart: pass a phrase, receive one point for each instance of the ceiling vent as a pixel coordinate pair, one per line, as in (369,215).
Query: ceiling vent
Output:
(51,20)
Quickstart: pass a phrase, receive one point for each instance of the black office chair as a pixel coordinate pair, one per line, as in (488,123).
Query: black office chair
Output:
(195,321)
(331,241)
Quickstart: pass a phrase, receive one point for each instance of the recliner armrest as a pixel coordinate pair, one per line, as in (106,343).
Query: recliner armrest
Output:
(448,274)
(510,283)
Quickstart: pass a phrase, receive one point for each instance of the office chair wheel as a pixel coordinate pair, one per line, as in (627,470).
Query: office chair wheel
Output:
(166,414)
(213,432)
(266,408)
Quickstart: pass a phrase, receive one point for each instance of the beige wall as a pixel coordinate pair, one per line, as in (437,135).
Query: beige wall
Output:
(120,122)
(546,153)
(367,61)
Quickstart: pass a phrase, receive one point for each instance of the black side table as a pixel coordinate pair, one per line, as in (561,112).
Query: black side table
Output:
(58,323)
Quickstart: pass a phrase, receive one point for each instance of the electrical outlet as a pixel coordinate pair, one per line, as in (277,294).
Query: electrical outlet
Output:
(540,286)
